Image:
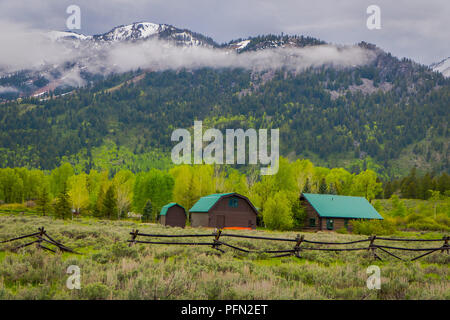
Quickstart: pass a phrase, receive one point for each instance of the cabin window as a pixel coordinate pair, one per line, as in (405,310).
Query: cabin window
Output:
(346,223)
(330,224)
(312,222)
(233,202)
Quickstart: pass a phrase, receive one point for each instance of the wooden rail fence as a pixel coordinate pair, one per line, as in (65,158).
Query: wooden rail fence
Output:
(299,246)
(217,243)
(42,236)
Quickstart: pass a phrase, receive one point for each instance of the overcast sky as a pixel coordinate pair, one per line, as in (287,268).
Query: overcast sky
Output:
(417,29)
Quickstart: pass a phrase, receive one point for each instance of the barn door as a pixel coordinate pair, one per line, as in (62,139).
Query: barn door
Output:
(220,221)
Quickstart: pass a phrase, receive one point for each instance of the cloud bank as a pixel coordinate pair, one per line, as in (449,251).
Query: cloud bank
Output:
(415,29)
(34,49)
(26,48)
(158,55)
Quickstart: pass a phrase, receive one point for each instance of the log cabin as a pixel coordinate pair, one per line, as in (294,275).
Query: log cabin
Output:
(332,212)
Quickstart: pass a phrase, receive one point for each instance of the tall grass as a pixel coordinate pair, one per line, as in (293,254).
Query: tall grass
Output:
(110,269)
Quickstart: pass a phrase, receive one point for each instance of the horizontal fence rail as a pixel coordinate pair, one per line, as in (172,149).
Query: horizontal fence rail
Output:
(299,240)
(41,236)
(217,243)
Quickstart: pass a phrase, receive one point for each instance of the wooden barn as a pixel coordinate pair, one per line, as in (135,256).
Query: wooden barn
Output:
(173,215)
(224,210)
(332,212)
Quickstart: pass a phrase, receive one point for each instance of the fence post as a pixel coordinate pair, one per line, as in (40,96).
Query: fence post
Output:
(217,233)
(372,247)
(41,234)
(445,246)
(134,234)
(297,247)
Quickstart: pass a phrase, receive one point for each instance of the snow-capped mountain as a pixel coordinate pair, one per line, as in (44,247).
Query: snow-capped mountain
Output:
(442,67)
(84,51)
(133,31)
(141,31)
(76,59)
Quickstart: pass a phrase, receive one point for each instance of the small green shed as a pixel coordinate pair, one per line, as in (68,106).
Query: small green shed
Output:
(173,214)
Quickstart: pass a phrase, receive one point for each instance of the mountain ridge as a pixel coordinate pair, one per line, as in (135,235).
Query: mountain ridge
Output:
(73,73)
(383,113)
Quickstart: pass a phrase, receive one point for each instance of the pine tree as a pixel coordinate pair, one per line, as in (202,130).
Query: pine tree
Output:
(323,188)
(298,214)
(307,187)
(332,189)
(110,203)
(147,214)
(388,190)
(98,207)
(43,201)
(62,206)
(425,186)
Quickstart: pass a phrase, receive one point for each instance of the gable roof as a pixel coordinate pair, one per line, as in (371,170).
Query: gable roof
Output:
(204,204)
(333,206)
(167,206)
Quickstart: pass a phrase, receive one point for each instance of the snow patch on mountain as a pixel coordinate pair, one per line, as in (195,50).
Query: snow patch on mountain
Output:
(67,35)
(242,44)
(135,31)
(442,67)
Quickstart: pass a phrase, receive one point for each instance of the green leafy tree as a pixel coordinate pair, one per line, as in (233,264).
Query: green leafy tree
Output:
(78,192)
(156,185)
(435,197)
(124,182)
(341,180)
(59,176)
(11,186)
(277,213)
(366,185)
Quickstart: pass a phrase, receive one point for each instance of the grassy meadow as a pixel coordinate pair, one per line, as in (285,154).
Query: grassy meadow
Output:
(110,269)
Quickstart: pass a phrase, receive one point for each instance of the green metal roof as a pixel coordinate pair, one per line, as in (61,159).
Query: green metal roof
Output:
(204,204)
(167,206)
(333,206)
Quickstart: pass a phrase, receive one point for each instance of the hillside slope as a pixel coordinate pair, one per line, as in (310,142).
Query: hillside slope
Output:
(382,112)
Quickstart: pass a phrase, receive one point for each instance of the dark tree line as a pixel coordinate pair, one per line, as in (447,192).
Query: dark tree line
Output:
(414,186)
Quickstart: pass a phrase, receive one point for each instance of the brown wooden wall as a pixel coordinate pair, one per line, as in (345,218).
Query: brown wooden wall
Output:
(338,223)
(243,215)
(311,213)
(199,219)
(175,217)
(321,222)
(222,215)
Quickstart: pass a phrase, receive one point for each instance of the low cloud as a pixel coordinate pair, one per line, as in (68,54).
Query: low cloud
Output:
(159,55)
(25,48)
(5,89)
(35,50)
